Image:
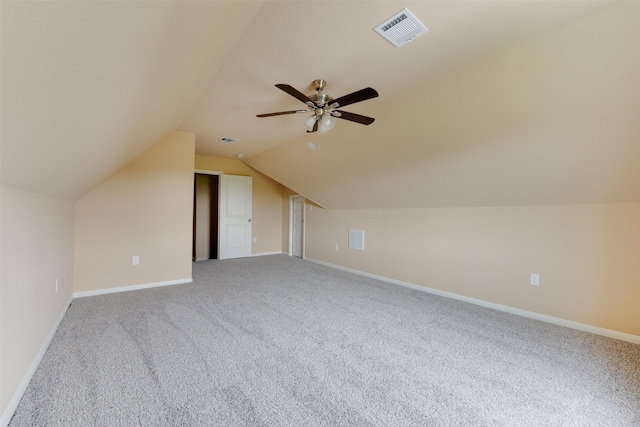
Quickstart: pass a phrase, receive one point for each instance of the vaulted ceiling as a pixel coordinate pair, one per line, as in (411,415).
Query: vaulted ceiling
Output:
(500,103)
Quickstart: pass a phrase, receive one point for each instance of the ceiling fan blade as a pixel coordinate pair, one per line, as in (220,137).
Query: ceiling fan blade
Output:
(280,113)
(295,93)
(352,98)
(353,117)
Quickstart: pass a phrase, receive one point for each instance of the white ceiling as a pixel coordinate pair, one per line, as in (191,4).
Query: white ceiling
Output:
(87,86)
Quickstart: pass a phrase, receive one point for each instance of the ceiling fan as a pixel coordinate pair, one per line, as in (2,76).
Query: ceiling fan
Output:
(324,107)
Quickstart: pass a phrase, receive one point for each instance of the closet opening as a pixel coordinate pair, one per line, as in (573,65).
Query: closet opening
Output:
(205,217)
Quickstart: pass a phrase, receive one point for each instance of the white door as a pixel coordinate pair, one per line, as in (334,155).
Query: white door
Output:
(297,225)
(235,216)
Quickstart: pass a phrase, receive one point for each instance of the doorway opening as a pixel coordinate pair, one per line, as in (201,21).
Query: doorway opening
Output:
(205,217)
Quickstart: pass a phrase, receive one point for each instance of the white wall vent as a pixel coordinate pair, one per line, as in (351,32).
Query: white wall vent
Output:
(401,28)
(356,239)
(229,140)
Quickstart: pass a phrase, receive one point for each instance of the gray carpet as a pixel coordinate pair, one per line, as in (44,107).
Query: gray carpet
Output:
(277,341)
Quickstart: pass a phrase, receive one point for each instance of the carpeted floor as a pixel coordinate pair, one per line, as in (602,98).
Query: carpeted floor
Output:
(277,341)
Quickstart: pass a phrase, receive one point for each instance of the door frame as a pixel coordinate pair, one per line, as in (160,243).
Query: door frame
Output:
(304,223)
(206,172)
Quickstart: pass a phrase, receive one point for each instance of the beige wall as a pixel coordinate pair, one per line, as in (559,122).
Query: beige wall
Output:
(145,210)
(267,201)
(37,248)
(588,256)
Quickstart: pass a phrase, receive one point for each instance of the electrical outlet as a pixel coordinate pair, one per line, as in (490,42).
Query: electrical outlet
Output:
(534,279)
(336,248)
(255,240)
(56,285)
(136,260)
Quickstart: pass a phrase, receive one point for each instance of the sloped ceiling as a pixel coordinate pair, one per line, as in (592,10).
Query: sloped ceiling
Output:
(553,119)
(86,86)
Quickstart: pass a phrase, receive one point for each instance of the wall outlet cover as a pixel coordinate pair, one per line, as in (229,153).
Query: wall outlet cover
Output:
(534,279)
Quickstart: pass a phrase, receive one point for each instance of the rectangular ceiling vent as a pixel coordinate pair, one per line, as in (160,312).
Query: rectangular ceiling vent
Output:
(229,140)
(401,28)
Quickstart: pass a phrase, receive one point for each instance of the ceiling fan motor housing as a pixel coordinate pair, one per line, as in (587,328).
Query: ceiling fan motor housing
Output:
(320,99)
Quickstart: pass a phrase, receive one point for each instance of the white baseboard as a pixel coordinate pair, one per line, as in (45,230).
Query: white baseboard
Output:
(635,339)
(82,294)
(268,253)
(17,396)
(250,256)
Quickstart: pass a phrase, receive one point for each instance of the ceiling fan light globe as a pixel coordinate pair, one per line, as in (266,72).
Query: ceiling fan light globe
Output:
(324,129)
(309,122)
(326,123)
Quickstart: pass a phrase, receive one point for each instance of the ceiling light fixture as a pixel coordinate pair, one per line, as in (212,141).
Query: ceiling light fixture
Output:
(325,121)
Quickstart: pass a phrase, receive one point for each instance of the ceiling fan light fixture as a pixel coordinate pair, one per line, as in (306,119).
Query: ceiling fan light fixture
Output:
(309,122)
(326,123)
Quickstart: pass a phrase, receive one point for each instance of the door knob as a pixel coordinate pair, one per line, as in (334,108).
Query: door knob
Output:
(249,219)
